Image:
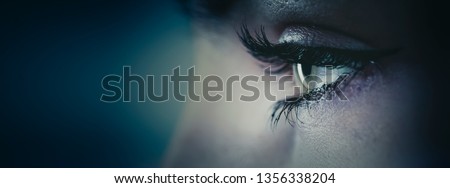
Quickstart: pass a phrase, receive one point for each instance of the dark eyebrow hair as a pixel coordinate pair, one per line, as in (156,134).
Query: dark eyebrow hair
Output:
(207,9)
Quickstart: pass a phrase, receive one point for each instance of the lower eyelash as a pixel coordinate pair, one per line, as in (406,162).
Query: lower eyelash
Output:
(287,107)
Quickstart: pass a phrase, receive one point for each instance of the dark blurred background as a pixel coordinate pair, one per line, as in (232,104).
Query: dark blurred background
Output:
(54,55)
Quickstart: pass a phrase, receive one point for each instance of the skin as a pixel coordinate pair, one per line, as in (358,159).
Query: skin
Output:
(377,127)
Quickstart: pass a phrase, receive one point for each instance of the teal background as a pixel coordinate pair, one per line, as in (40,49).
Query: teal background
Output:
(53,57)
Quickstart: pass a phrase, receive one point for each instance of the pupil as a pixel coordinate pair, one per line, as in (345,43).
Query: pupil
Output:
(306,69)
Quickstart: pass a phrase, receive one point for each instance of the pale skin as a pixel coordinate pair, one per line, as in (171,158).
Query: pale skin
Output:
(376,127)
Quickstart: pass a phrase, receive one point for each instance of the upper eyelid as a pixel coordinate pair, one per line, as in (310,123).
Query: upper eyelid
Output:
(262,49)
(317,36)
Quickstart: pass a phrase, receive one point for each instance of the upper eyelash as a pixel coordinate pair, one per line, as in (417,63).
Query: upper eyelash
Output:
(262,49)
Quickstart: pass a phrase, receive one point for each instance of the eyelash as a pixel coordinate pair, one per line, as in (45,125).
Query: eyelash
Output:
(286,53)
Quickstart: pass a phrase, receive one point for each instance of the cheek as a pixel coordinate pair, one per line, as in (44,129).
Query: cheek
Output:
(230,133)
(375,127)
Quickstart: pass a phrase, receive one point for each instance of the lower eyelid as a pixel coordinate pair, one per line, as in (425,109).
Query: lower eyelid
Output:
(354,85)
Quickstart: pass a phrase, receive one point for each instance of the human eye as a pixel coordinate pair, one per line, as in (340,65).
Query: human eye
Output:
(321,63)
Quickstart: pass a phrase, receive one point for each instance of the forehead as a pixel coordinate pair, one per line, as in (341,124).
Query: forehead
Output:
(375,21)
